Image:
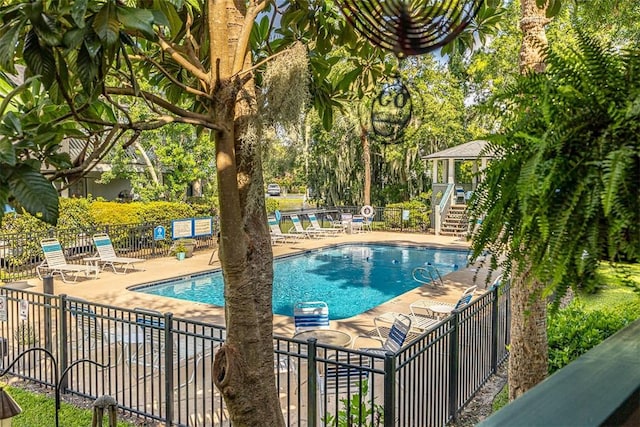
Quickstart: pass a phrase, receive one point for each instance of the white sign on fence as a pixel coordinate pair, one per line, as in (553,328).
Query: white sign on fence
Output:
(23,309)
(3,309)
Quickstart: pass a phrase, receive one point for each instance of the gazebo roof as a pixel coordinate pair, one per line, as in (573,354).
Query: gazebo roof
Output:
(467,151)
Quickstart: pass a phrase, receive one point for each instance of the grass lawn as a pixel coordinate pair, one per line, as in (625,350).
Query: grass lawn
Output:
(618,285)
(38,410)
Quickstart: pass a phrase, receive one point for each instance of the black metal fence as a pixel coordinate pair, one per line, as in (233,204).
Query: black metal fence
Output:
(383,219)
(159,366)
(20,253)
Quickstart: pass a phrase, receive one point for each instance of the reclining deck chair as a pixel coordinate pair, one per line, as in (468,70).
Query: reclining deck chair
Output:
(439,309)
(107,255)
(55,262)
(297,228)
(315,225)
(395,339)
(279,235)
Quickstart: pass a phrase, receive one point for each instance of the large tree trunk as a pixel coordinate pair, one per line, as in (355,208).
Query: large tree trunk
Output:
(528,351)
(243,367)
(366,153)
(534,37)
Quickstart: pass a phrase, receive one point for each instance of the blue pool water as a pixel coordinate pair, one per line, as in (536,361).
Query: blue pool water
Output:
(351,279)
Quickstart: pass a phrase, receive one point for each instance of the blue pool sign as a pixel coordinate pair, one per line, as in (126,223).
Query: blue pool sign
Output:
(159,233)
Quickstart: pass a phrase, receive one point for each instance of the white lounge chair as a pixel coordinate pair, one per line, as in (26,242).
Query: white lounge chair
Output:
(297,228)
(107,255)
(279,235)
(439,309)
(315,226)
(55,262)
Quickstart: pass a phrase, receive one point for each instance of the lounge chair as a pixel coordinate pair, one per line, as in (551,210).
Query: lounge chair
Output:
(279,235)
(396,338)
(107,255)
(315,226)
(439,309)
(297,228)
(55,262)
(310,315)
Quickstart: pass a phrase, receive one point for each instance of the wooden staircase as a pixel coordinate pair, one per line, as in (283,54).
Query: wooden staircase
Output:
(456,222)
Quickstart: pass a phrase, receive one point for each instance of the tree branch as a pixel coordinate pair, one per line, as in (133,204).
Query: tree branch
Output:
(128,91)
(205,78)
(242,44)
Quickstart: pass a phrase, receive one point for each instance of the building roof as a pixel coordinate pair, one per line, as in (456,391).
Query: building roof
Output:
(467,151)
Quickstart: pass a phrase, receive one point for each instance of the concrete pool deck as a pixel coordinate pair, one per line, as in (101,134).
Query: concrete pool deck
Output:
(112,289)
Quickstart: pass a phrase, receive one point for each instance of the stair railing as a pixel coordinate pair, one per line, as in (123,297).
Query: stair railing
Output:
(443,208)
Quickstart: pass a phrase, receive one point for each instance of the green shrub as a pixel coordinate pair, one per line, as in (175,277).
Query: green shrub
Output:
(418,215)
(114,213)
(272,205)
(574,330)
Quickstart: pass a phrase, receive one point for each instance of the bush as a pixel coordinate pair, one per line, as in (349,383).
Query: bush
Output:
(272,205)
(573,331)
(418,215)
(114,213)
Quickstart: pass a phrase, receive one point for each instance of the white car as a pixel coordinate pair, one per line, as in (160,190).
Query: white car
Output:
(273,189)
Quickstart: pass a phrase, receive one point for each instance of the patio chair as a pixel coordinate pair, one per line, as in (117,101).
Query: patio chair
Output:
(151,347)
(357,224)
(460,195)
(297,228)
(439,309)
(107,255)
(89,336)
(396,338)
(279,235)
(56,263)
(310,315)
(315,226)
(344,374)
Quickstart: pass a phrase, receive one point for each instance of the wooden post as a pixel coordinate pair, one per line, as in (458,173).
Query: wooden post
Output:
(99,406)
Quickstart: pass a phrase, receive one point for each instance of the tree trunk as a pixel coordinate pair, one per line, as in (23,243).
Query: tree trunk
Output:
(528,350)
(366,154)
(243,367)
(534,37)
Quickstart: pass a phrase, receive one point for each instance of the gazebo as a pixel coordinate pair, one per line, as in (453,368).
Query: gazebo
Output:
(445,191)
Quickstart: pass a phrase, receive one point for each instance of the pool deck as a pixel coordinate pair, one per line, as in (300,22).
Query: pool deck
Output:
(112,288)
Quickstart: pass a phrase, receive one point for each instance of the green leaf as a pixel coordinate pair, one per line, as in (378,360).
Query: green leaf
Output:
(37,195)
(39,59)
(106,24)
(168,16)
(8,43)
(78,11)
(553,8)
(73,38)
(7,153)
(87,68)
(140,20)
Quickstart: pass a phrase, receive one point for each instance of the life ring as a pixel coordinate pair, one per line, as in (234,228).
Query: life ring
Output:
(367,211)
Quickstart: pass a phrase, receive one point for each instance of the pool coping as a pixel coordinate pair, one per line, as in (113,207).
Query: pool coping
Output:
(110,288)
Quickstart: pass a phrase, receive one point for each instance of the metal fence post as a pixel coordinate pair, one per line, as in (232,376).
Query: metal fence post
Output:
(47,285)
(63,361)
(494,330)
(168,368)
(312,378)
(389,389)
(453,365)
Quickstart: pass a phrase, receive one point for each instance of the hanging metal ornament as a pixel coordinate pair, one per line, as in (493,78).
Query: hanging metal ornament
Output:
(410,27)
(391,112)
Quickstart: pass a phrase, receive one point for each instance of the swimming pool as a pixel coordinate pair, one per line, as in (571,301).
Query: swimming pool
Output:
(350,278)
